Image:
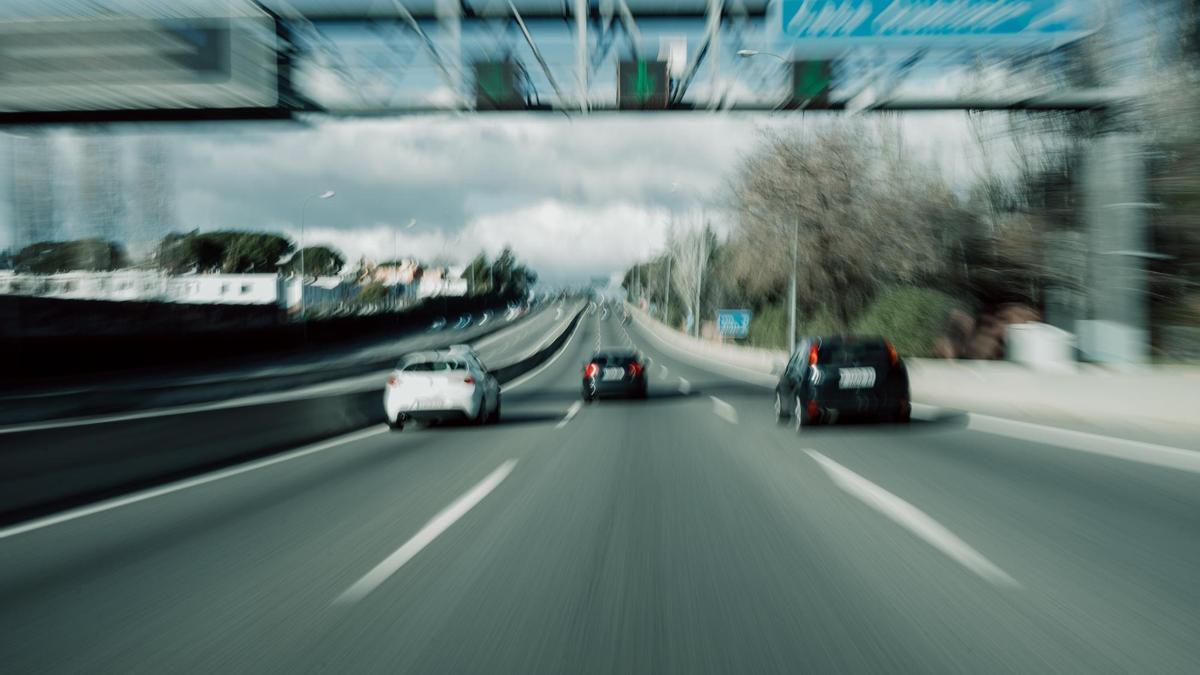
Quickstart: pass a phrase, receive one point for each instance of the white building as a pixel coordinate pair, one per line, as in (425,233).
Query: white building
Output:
(149,286)
(442,281)
(229,289)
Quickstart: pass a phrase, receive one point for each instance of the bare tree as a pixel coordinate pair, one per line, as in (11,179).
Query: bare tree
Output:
(862,216)
(690,243)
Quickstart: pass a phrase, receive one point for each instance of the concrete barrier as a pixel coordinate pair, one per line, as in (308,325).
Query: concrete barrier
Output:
(1157,403)
(48,469)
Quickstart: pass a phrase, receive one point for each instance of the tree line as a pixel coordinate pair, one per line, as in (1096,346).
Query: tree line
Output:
(246,252)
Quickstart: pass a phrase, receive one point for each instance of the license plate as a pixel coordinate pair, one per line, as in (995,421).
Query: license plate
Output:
(614,373)
(856,378)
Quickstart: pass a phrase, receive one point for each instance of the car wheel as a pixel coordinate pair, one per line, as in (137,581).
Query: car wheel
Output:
(481,416)
(781,413)
(800,416)
(495,417)
(398,425)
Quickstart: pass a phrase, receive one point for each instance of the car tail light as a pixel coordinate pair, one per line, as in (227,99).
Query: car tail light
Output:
(812,355)
(469,380)
(892,353)
(635,368)
(591,371)
(393,380)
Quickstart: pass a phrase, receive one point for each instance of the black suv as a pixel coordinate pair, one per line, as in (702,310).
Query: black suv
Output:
(843,377)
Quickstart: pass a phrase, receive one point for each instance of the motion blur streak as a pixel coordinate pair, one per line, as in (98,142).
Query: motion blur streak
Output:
(600,336)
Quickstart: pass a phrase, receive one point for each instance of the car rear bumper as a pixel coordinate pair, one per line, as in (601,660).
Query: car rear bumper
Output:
(840,405)
(433,408)
(623,387)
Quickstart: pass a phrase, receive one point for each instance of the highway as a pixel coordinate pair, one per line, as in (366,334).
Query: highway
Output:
(686,533)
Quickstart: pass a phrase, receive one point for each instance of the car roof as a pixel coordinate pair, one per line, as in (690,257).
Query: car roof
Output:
(845,338)
(432,355)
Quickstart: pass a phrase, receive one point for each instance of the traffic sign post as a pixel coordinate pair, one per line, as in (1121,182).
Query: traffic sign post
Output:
(734,323)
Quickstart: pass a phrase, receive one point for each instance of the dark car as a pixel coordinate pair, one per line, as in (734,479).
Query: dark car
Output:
(843,377)
(614,372)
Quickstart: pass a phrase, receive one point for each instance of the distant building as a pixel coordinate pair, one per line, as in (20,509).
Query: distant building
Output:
(153,196)
(402,272)
(33,191)
(101,189)
(442,281)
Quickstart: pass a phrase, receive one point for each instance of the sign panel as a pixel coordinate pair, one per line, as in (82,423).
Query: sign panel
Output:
(108,64)
(498,86)
(810,83)
(933,22)
(734,323)
(642,85)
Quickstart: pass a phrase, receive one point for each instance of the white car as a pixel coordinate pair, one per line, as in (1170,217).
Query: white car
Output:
(438,386)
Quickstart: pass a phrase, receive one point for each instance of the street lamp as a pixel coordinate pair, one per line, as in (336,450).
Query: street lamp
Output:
(745,53)
(303,207)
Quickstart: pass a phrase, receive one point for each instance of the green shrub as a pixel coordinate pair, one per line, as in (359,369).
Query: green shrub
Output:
(768,327)
(912,318)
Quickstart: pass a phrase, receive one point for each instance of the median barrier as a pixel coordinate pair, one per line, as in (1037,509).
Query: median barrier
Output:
(47,469)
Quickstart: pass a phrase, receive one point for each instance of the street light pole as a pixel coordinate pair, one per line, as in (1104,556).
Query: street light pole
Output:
(303,209)
(667,293)
(792,288)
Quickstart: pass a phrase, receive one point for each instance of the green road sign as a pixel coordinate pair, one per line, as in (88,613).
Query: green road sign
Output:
(497,86)
(811,81)
(642,84)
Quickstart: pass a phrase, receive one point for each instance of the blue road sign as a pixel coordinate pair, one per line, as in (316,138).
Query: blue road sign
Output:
(734,323)
(939,22)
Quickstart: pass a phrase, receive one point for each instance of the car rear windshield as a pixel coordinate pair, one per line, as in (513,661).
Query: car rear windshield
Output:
(614,359)
(434,366)
(840,350)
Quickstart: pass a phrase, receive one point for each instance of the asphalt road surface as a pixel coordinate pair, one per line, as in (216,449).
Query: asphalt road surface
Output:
(685,533)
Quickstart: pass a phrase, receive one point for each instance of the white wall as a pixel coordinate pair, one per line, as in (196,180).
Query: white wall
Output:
(230,289)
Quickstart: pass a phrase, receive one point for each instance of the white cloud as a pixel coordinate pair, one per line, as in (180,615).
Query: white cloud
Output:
(575,196)
(565,242)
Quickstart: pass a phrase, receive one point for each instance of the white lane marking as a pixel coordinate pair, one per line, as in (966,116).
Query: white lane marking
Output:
(1120,448)
(436,525)
(663,370)
(557,313)
(143,495)
(914,520)
(571,413)
(685,387)
(1082,441)
(724,410)
(536,371)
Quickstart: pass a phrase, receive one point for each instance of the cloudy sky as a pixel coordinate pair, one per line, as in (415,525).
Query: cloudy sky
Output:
(575,197)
